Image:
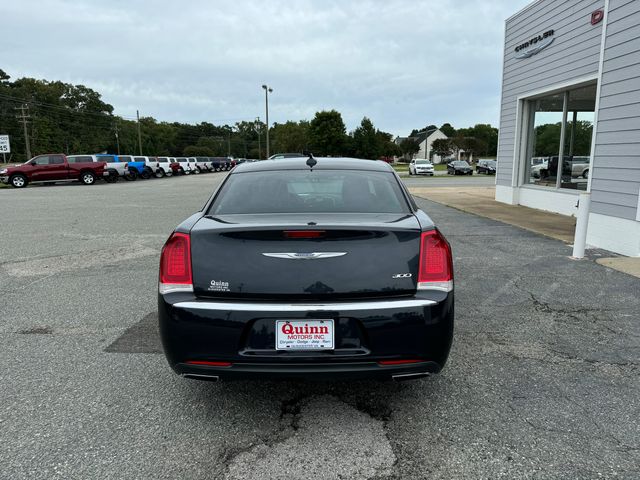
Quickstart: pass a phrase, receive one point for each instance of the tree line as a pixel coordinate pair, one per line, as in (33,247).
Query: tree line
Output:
(67,118)
(61,117)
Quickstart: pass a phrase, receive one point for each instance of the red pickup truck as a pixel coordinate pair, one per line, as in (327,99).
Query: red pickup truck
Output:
(52,167)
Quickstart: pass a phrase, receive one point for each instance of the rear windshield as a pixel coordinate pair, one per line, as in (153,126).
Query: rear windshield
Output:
(298,191)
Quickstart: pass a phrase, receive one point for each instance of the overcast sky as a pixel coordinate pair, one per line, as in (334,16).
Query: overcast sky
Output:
(404,64)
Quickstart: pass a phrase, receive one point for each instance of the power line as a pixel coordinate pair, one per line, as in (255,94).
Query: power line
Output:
(23,116)
(61,107)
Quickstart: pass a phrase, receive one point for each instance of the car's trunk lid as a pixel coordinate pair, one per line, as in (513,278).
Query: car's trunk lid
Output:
(351,255)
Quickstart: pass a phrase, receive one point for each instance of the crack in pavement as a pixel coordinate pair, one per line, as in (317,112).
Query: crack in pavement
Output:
(319,436)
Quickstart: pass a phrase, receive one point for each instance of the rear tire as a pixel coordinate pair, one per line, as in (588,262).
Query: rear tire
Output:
(112,177)
(87,178)
(160,173)
(18,181)
(145,175)
(131,176)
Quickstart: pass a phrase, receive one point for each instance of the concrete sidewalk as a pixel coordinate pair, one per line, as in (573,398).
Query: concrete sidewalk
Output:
(481,201)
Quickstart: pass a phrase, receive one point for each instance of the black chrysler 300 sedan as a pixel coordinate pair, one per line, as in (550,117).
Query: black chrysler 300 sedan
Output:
(307,268)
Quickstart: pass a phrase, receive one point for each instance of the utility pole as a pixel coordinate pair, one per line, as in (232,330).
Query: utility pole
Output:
(24,116)
(259,145)
(139,135)
(267,91)
(117,138)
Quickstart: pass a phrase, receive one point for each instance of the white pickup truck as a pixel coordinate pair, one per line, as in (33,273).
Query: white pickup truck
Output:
(202,164)
(164,167)
(186,165)
(114,168)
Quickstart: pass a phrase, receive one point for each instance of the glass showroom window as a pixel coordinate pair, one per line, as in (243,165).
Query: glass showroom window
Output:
(560,126)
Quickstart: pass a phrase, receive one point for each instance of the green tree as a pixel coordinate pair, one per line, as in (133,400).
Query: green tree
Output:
(327,133)
(290,137)
(443,147)
(387,147)
(409,148)
(197,151)
(365,141)
(448,130)
(488,136)
(471,145)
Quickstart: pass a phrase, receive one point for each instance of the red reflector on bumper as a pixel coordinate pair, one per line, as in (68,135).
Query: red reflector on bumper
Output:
(398,362)
(208,364)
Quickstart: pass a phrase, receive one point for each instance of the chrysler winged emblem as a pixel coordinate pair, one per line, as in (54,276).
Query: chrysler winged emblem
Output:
(305,255)
(533,50)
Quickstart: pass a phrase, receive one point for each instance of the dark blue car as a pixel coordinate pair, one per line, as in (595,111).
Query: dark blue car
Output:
(330,270)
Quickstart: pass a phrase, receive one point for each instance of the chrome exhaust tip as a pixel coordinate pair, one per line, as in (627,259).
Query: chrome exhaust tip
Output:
(198,376)
(409,376)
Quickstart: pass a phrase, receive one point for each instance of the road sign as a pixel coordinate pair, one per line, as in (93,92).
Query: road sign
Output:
(4,144)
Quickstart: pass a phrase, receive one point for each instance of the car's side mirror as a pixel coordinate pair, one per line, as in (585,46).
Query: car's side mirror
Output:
(32,163)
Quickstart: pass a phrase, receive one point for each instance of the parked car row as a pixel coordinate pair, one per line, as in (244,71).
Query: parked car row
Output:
(88,169)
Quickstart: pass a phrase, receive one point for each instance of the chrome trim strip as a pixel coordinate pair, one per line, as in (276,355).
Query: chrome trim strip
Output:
(304,307)
(213,378)
(409,376)
(438,286)
(304,255)
(172,288)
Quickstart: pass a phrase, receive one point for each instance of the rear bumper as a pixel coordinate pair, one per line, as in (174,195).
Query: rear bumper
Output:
(316,371)
(418,328)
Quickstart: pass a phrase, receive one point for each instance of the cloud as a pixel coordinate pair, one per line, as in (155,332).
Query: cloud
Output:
(404,64)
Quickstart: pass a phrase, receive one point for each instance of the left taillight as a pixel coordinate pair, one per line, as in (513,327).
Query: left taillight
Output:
(175,265)
(436,263)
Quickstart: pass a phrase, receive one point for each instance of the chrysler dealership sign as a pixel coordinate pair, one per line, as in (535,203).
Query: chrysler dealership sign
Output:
(534,45)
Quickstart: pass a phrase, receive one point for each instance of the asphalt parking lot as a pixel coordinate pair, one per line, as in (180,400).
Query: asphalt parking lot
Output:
(542,382)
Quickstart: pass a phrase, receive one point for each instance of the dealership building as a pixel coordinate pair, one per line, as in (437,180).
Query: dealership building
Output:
(570,116)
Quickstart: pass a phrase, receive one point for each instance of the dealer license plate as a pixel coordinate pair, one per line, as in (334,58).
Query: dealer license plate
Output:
(304,334)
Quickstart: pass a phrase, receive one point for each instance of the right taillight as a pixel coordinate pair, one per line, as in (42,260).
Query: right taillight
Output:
(436,263)
(175,265)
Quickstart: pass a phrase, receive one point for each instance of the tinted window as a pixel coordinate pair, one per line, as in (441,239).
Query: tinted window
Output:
(340,191)
(77,159)
(139,159)
(162,159)
(106,158)
(58,159)
(42,160)
(125,159)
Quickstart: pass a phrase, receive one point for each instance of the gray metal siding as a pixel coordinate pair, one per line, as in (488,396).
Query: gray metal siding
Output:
(574,54)
(615,179)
